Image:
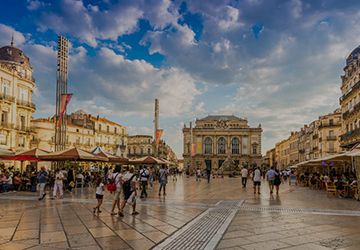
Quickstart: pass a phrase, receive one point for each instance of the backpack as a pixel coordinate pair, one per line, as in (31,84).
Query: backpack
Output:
(111,186)
(127,185)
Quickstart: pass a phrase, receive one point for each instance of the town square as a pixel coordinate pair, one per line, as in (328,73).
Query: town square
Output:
(168,124)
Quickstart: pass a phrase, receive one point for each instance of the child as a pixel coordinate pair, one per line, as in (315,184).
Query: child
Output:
(99,194)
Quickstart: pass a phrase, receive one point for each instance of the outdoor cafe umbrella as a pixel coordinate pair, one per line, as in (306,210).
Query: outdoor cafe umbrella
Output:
(112,158)
(5,153)
(148,160)
(28,155)
(72,154)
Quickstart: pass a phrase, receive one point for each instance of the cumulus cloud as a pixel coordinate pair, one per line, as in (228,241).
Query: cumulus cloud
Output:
(7,32)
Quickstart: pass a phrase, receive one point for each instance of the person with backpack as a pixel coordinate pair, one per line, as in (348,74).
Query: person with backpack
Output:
(163,173)
(114,187)
(144,175)
(129,191)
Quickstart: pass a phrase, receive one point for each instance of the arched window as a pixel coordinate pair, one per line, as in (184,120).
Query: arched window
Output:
(254,149)
(208,145)
(134,150)
(149,151)
(221,145)
(235,146)
(141,151)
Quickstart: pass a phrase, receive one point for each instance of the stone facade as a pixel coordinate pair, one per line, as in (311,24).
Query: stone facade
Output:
(350,100)
(319,139)
(84,131)
(218,139)
(140,145)
(16,107)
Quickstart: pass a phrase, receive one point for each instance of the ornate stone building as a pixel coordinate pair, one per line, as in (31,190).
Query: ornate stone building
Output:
(84,131)
(16,107)
(350,100)
(217,139)
(140,145)
(329,130)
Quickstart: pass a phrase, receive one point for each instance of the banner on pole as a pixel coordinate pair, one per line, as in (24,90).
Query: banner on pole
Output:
(65,99)
(159,133)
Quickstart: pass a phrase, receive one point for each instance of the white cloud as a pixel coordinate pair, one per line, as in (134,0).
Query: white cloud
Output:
(6,33)
(34,4)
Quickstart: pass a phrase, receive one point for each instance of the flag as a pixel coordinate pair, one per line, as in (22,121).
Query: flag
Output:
(159,133)
(193,149)
(65,99)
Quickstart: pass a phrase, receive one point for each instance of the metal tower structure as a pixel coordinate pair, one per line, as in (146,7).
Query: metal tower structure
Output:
(156,124)
(61,88)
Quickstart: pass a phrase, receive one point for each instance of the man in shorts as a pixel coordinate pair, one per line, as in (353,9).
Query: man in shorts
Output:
(270,175)
(257,180)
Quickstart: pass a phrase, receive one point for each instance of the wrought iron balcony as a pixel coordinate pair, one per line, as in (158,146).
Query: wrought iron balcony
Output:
(350,134)
(352,89)
(351,111)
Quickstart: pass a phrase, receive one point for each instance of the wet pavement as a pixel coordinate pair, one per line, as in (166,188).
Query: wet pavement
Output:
(193,215)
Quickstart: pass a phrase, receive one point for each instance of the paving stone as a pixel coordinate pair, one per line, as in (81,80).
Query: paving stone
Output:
(269,245)
(155,236)
(101,232)
(26,234)
(81,240)
(310,246)
(140,244)
(112,243)
(226,243)
(51,237)
(129,234)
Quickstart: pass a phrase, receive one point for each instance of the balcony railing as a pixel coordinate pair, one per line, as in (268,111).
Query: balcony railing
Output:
(326,125)
(353,88)
(6,97)
(350,134)
(331,138)
(23,128)
(349,112)
(6,125)
(26,104)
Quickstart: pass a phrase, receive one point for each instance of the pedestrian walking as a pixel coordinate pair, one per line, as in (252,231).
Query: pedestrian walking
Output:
(270,175)
(277,181)
(198,174)
(42,178)
(99,194)
(116,181)
(208,173)
(163,174)
(257,180)
(129,190)
(151,176)
(244,176)
(58,184)
(144,175)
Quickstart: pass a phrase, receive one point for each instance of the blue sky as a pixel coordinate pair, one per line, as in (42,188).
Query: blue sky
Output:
(274,62)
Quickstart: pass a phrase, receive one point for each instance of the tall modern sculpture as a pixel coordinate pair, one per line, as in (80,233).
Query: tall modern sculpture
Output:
(61,89)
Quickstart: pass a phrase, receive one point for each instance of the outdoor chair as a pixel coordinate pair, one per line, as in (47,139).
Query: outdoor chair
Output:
(330,189)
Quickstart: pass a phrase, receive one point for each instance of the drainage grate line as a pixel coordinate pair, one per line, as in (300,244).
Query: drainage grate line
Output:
(205,231)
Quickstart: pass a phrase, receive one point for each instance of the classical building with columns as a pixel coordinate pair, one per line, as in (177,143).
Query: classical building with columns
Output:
(16,107)
(217,139)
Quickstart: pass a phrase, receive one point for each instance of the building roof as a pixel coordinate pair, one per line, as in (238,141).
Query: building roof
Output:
(353,55)
(14,55)
(221,117)
(139,136)
(104,120)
